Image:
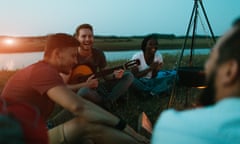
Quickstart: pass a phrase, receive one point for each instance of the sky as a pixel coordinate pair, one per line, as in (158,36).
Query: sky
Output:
(113,17)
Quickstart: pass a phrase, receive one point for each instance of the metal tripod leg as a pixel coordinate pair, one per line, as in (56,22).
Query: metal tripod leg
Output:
(193,20)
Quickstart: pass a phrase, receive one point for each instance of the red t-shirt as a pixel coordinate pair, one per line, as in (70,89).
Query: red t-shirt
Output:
(27,100)
(30,86)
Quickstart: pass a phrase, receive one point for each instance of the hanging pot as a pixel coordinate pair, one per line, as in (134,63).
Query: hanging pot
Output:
(191,76)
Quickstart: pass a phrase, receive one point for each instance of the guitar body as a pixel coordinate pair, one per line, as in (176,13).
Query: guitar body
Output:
(82,72)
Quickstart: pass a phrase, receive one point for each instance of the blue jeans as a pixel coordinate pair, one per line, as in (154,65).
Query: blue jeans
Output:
(155,86)
(108,90)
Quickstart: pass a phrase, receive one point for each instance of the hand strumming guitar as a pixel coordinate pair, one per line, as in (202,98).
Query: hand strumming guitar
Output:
(92,82)
(118,73)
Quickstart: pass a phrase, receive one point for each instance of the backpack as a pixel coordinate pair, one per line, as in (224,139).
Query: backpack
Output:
(10,130)
(28,117)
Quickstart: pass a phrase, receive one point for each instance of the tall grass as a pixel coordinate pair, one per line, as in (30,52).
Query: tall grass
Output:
(134,104)
(171,61)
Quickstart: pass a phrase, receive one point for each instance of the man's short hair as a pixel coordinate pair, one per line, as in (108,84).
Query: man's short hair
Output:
(83,26)
(236,22)
(59,41)
(230,48)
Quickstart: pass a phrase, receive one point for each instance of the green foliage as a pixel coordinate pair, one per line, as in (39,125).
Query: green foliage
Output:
(106,43)
(130,106)
(170,61)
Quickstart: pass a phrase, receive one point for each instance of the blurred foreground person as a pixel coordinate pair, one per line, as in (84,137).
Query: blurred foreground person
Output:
(218,121)
(39,86)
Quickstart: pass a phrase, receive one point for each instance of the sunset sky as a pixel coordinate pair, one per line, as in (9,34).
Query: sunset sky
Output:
(113,17)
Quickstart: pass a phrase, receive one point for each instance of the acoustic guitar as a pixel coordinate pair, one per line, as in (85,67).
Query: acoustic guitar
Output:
(82,72)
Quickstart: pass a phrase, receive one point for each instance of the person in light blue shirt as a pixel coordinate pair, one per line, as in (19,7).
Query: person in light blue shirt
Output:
(217,121)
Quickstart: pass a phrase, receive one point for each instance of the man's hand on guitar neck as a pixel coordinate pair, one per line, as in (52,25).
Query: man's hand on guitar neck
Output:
(118,73)
(92,82)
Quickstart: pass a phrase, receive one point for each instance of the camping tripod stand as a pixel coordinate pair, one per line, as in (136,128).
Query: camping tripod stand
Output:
(192,24)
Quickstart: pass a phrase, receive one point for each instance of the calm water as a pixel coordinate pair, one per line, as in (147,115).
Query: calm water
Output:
(20,60)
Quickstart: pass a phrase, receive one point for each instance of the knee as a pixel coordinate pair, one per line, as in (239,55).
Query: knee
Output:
(90,95)
(83,91)
(79,130)
(86,127)
(128,76)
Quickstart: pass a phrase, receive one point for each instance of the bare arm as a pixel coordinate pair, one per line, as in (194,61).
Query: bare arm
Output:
(138,73)
(154,68)
(76,86)
(90,83)
(80,107)
(83,108)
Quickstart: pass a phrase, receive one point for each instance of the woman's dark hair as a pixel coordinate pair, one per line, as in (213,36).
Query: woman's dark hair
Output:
(146,39)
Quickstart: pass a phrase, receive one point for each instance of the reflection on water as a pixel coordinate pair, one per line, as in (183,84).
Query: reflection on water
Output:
(20,60)
(9,65)
(111,56)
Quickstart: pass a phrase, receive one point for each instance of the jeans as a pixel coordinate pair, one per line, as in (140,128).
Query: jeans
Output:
(109,90)
(155,86)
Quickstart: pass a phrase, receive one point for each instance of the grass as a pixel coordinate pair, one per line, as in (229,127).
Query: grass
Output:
(134,103)
(135,43)
(33,44)
(170,61)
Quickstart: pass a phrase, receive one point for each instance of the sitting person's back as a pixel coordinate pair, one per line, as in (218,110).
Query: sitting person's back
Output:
(217,121)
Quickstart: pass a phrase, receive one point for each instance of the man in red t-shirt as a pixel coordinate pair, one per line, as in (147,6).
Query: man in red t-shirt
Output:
(40,86)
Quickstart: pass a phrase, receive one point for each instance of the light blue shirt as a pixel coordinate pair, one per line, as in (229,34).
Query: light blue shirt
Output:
(217,124)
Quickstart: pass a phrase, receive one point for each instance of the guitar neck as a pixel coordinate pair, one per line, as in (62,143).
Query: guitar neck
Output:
(107,71)
(78,76)
(99,74)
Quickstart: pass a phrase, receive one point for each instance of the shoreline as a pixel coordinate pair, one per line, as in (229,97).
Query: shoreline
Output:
(31,44)
(12,51)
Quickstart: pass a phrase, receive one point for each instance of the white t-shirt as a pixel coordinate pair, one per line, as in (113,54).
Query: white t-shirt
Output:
(143,65)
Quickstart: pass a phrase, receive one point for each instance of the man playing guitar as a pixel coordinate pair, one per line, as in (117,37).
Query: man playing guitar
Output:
(115,83)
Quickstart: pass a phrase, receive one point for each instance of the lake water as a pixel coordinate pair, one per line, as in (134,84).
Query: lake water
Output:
(19,60)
